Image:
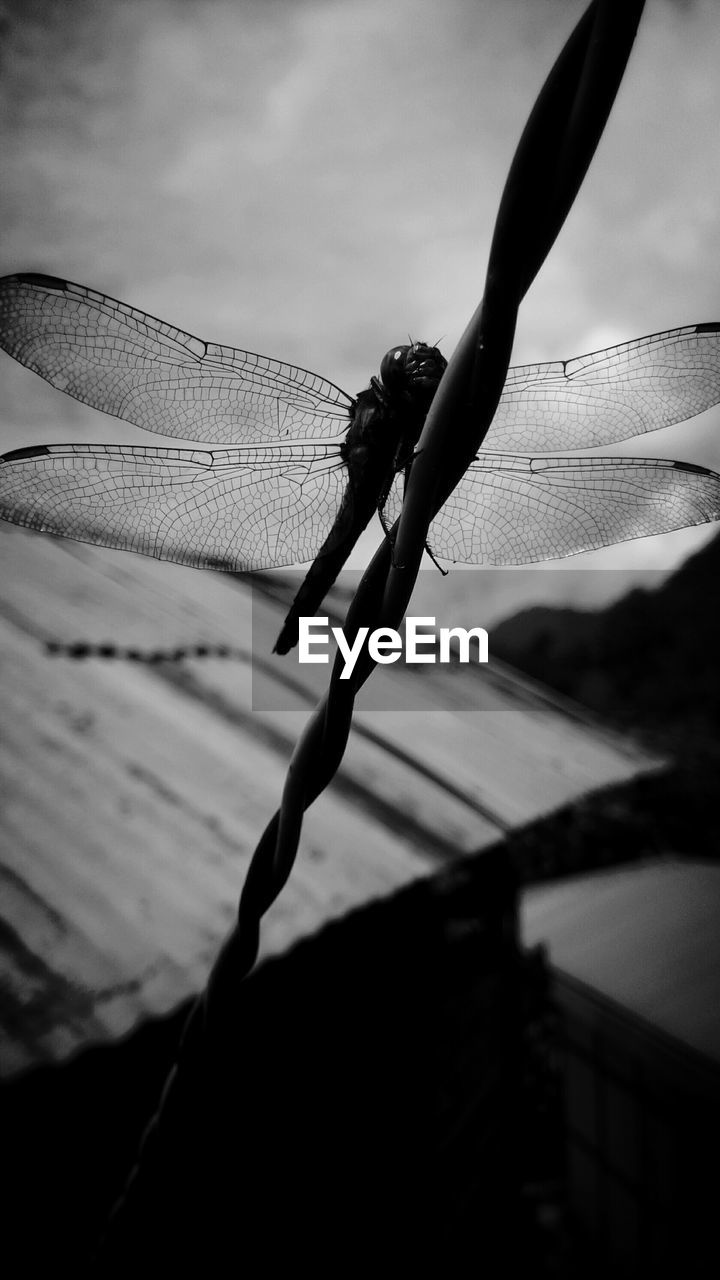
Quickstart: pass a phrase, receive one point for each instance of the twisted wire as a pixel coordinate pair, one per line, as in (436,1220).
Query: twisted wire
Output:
(553,154)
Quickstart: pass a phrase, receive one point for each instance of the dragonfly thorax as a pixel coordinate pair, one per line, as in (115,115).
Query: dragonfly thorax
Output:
(412,371)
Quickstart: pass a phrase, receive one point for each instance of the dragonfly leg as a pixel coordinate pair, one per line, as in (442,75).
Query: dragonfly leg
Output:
(382,500)
(432,556)
(386,527)
(428,549)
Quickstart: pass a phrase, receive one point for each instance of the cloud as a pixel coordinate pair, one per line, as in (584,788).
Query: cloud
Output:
(318,180)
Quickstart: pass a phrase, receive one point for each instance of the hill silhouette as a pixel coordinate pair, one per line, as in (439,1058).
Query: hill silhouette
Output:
(649,664)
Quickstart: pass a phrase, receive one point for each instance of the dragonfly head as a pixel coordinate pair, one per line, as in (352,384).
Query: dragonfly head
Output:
(413,371)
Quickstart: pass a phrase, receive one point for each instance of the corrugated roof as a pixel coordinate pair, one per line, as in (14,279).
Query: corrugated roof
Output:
(646,936)
(133,796)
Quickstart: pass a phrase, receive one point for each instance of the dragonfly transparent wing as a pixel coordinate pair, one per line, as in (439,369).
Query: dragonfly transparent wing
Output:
(513,510)
(126,363)
(232,509)
(609,395)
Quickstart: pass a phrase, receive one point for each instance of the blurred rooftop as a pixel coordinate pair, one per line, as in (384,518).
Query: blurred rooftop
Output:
(134,795)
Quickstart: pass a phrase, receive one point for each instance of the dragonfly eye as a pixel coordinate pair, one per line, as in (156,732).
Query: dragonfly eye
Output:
(392,368)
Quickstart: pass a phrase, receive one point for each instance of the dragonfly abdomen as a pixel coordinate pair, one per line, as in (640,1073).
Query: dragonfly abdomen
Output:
(317,582)
(368,452)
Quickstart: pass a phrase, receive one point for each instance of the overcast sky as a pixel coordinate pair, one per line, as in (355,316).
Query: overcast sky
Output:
(315,180)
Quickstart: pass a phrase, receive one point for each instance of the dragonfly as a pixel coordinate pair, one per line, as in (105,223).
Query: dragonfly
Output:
(304,465)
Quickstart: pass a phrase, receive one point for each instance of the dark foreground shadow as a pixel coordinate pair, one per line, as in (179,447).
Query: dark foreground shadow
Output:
(360,1106)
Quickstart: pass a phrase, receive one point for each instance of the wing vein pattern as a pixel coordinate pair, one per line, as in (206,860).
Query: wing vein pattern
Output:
(509,510)
(129,364)
(228,509)
(611,395)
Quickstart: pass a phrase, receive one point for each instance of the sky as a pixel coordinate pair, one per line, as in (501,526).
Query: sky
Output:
(317,179)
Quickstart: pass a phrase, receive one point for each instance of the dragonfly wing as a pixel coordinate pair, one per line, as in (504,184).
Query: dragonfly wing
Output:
(610,395)
(126,363)
(231,509)
(512,510)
